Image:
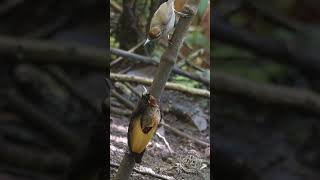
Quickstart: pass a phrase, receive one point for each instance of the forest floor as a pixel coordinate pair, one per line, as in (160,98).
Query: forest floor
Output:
(158,158)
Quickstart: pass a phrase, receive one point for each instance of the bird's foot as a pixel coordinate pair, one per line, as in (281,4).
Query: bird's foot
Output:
(170,42)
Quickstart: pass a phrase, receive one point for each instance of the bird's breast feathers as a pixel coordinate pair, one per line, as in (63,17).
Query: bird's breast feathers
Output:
(170,24)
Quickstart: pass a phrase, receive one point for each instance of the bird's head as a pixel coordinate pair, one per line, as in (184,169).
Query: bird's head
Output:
(148,98)
(153,34)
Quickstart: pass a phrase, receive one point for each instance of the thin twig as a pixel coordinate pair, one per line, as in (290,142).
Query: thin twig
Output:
(182,134)
(147,60)
(192,57)
(165,141)
(130,51)
(120,112)
(114,102)
(169,85)
(138,94)
(122,99)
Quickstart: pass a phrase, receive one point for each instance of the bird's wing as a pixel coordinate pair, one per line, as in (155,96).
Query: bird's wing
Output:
(161,15)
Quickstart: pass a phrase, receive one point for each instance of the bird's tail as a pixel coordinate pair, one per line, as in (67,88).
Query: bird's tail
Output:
(137,156)
(148,47)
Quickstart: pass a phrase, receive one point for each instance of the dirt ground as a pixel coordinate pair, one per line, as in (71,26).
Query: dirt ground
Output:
(157,157)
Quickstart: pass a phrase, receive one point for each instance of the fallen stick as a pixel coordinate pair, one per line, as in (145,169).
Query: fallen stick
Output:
(169,85)
(120,112)
(147,60)
(130,51)
(138,94)
(182,134)
(165,141)
(122,99)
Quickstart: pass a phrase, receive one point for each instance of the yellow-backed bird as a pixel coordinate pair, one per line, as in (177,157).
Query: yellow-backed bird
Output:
(143,124)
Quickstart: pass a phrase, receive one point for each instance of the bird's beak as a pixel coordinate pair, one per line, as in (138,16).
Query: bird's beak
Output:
(147,41)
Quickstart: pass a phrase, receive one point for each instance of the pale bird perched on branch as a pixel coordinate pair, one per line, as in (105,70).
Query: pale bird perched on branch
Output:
(163,21)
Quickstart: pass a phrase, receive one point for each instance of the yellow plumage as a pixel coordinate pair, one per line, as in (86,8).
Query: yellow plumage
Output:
(138,139)
(143,124)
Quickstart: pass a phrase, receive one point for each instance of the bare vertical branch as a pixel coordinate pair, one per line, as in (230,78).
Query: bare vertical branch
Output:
(167,62)
(169,57)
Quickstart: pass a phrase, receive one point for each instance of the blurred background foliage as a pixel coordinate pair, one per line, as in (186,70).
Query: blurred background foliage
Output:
(50,111)
(264,59)
(301,16)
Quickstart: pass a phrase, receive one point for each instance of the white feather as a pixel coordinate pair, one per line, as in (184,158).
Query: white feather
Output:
(147,41)
(145,91)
